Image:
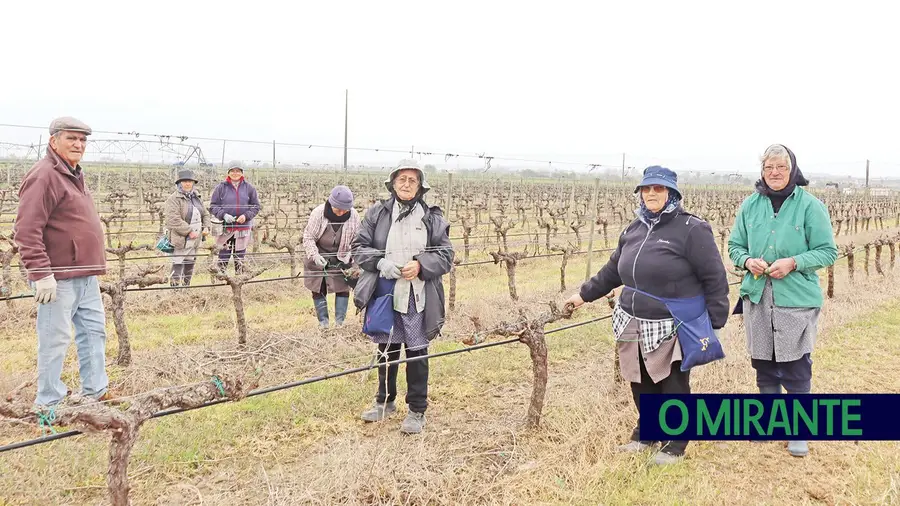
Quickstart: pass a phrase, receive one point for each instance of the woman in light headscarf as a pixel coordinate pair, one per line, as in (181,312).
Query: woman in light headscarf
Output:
(782,235)
(188,224)
(403,248)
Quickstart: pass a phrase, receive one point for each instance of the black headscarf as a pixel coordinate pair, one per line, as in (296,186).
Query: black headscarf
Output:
(332,217)
(796,179)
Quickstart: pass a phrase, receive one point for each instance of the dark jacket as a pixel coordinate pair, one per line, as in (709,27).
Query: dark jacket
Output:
(675,258)
(369,246)
(236,201)
(57,225)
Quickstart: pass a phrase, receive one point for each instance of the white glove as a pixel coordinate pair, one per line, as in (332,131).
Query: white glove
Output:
(229,218)
(389,270)
(45,290)
(320,261)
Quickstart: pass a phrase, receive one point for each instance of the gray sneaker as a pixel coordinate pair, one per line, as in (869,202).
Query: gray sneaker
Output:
(414,423)
(663,459)
(633,447)
(379,411)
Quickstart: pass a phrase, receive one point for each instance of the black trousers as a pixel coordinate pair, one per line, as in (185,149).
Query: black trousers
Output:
(794,376)
(416,377)
(676,382)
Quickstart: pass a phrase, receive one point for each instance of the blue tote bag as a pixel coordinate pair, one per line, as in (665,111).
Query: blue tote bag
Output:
(699,344)
(379,318)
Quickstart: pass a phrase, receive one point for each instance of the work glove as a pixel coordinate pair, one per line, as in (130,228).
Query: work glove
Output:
(389,270)
(229,218)
(45,290)
(320,261)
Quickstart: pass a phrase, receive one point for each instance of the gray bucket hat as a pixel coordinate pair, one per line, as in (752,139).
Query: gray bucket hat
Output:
(407,163)
(185,175)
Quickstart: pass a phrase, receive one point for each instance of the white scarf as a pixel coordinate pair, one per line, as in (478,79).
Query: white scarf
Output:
(406,239)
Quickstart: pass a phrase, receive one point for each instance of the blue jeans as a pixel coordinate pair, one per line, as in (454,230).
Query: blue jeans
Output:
(78,301)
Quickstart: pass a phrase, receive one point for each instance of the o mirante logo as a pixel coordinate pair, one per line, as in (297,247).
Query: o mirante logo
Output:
(765,417)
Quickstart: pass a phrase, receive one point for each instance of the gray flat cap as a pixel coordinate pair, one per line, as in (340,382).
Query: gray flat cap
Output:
(235,164)
(68,123)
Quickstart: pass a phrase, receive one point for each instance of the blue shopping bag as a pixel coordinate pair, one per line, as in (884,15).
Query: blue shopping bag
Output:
(379,319)
(698,340)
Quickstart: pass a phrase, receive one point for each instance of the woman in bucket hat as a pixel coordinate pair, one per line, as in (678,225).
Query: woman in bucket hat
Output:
(234,202)
(327,240)
(188,224)
(403,248)
(782,235)
(664,256)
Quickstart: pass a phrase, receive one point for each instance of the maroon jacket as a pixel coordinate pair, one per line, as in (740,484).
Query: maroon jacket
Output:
(57,224)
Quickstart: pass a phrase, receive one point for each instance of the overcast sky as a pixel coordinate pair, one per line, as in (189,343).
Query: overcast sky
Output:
(692,85)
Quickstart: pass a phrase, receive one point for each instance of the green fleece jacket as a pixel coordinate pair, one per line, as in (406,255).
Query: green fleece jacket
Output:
(802,231)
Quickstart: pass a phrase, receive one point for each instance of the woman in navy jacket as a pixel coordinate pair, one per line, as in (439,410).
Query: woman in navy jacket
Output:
(665,253)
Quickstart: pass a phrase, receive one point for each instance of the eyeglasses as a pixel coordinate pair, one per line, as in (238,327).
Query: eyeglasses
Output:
(772,168)
(402,180)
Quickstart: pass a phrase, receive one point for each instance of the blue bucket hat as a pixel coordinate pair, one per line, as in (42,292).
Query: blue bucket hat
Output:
(662,176)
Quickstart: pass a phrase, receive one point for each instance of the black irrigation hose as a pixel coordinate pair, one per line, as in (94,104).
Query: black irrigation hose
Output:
(308,381)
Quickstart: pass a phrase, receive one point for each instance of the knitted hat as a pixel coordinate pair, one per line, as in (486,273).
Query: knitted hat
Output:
(341,198)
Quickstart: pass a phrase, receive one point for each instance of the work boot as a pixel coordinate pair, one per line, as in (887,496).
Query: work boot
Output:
(379,411)
(321,305)
(767,389)
(798,448)
(340,309)
(413,424)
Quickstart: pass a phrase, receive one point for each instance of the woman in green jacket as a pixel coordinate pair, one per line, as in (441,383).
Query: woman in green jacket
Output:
(782,235)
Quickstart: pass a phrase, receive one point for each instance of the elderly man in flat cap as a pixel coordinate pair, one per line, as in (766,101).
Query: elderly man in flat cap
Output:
(60,243)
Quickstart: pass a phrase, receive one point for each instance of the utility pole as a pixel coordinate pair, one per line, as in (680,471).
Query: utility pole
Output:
(623,167)
(867,173)
(346,101)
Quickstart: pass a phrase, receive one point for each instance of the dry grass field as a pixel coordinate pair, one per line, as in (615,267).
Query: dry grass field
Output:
(306,445)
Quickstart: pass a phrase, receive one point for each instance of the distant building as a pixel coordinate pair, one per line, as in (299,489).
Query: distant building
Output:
(880,192)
